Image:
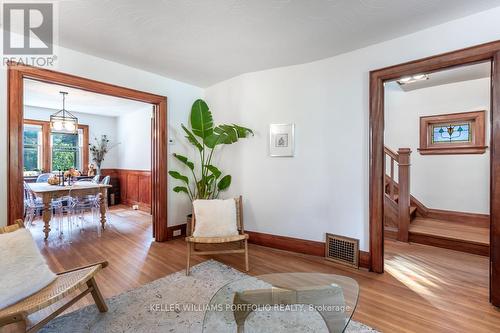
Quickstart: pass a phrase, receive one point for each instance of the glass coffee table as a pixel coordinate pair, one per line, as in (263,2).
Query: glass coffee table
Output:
(283,302)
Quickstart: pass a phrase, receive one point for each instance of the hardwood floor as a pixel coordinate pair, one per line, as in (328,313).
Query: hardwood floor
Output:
(424,289)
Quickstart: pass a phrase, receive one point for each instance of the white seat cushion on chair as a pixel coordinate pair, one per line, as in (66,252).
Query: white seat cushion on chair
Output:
(23,269)
(215,218)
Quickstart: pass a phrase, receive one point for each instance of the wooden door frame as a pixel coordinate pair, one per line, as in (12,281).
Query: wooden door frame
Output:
(16,74)
(484,52)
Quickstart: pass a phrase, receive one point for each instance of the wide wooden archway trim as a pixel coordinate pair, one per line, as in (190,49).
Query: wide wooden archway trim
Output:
(18,72)
(479,53)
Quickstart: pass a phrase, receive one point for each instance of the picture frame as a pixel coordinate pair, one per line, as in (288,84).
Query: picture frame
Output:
(454,133)
(282,140)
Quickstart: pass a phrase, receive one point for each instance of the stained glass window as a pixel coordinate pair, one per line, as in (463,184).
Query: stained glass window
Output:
(450,133)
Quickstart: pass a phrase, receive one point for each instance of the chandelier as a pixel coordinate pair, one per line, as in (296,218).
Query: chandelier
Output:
(64,121)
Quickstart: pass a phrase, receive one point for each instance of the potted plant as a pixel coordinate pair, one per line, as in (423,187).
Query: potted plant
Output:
(98,149)
(205,181)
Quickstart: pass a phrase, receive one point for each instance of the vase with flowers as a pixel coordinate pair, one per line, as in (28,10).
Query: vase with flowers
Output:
(98,149)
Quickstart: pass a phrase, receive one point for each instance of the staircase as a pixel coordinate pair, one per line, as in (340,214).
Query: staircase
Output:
(408,220)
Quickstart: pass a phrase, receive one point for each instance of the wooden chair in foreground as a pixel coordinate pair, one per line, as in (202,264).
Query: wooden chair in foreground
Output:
(241,238)
(80,279)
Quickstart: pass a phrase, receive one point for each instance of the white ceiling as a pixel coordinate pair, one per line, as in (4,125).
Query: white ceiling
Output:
(203,42)
(458,74)
(47,95)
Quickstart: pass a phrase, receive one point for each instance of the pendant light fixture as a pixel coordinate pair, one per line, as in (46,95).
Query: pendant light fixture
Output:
(64,121)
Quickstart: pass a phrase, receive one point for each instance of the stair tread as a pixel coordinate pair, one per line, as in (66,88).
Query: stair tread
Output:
(450,230)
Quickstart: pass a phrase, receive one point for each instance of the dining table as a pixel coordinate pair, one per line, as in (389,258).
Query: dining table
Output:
(49,192)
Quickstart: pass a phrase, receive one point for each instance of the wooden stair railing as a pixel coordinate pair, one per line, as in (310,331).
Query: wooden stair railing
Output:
(402,199)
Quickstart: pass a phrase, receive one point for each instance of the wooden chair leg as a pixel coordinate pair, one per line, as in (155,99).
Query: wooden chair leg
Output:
(97,296)
(188,258)
(246,255)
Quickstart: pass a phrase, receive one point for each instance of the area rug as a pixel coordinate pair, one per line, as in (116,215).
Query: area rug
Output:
(175,303)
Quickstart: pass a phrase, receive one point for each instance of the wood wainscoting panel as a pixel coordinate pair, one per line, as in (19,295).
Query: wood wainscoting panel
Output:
(135,187)
(144,194)
(132,185)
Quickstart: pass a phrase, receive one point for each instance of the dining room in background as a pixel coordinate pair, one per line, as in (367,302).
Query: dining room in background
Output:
(74,167)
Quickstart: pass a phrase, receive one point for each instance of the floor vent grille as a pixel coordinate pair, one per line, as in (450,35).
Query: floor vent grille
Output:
(343,250)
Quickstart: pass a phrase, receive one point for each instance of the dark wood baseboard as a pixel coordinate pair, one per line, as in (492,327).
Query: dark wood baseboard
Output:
(171,229)
(456,245)
(288,243)
(298,245)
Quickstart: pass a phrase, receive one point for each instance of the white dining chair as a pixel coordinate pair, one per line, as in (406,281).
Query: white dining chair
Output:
(34,205)
(43,178)
(81,205)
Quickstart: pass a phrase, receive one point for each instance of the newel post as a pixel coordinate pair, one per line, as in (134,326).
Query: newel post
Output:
(404,193)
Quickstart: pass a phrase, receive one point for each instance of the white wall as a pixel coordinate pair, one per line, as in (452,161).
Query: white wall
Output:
(98,125)
(452,182)
(134,137)
(180,98)
(325,187)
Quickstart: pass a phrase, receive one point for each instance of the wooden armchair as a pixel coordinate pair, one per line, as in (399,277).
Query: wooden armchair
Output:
(241,238)
(81,279)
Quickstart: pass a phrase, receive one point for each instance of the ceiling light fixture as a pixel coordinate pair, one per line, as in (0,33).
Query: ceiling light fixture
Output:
(413,78)
(64,121)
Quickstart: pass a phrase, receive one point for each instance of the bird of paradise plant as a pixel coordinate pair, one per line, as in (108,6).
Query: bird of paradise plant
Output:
(206,181)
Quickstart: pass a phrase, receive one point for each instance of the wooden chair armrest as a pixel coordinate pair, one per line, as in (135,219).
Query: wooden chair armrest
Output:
(103,264)
(13,318)
(20,223)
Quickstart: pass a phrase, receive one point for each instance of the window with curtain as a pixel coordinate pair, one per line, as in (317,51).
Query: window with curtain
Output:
(32,148)
(66,151)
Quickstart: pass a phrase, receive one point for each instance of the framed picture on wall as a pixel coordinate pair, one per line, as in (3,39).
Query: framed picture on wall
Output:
(282,140)
(455,133)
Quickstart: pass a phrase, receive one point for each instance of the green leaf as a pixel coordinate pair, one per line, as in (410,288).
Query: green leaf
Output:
(222,134)
(202,122)
(178,189)
(243,132)
(209,179)
(191,138)
(213,140)
(204,188)
(228,133)
(224,183)
(178,176)
(216,172)
(185,160)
